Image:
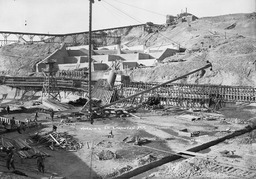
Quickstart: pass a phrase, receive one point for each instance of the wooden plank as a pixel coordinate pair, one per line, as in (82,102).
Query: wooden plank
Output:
(54,139)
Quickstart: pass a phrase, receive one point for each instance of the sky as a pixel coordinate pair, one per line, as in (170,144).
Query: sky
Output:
(70,16)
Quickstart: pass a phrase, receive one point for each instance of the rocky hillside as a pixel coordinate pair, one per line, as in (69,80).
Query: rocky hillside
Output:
(228,42)
(19,59)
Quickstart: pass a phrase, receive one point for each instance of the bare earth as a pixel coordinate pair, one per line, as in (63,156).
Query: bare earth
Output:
(161,129)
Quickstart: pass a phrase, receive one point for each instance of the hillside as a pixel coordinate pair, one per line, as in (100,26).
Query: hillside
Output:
(19,59)
(228,41)
(231,51)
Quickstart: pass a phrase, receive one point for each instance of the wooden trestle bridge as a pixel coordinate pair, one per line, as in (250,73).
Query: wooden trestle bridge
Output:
(188,95)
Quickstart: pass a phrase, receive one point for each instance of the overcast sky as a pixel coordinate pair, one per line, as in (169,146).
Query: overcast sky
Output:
(67,16)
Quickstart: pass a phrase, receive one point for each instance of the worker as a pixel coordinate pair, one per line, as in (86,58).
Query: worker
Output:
(12,122)
(52,114)
(27,121)
(19,127)
(36,116)
(8,109)
(40,163)
(4,124)
(137,140)
(10,158)
(54,128)
(23,124)
(111,134)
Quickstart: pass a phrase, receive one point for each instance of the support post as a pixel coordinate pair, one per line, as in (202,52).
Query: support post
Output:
(5,38)
(89,60)
(31,37)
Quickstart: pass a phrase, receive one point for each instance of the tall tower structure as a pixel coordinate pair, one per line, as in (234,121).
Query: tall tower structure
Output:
(50,88)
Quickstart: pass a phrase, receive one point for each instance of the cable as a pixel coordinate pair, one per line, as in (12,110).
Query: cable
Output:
(141,8)
(123,12)
(116,12)
(111,12)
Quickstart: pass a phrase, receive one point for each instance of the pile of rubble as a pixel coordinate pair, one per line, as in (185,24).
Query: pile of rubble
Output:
(146,159)
(106,155)
(119,171)
(59,140)
(153,102)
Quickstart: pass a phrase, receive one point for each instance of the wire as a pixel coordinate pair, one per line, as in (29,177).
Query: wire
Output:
(122,12)
(141,8)
(114,13)
(111,12)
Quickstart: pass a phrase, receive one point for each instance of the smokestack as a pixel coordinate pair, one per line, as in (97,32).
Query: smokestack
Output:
(186,11)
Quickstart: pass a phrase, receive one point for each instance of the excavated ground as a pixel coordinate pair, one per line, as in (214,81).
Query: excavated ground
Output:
(165,132)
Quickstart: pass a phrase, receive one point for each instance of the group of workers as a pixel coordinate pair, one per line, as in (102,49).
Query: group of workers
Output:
(22,126)
(10,159)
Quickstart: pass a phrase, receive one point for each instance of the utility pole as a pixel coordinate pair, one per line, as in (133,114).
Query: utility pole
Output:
(90,60)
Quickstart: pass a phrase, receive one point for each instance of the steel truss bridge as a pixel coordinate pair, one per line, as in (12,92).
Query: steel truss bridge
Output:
(101,34)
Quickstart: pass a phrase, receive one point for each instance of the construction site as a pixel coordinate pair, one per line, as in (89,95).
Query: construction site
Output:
(147,101)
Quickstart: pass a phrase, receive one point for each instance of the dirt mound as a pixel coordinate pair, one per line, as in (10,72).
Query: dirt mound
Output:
(146,159)
(105,144)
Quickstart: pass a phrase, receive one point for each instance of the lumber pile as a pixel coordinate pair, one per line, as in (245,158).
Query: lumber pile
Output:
(58,140)
(23,149)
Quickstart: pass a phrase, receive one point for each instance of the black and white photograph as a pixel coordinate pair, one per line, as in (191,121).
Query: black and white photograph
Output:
(127,89)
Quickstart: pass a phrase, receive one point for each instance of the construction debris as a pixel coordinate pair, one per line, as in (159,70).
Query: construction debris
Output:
(24,150)
(136,140)
(119,171)
(227,153)
(146,159)
(60,140)
(21,144)
(153,101)
(106,155)
(195,134)
(78,102)
(232,26)
(125,169)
